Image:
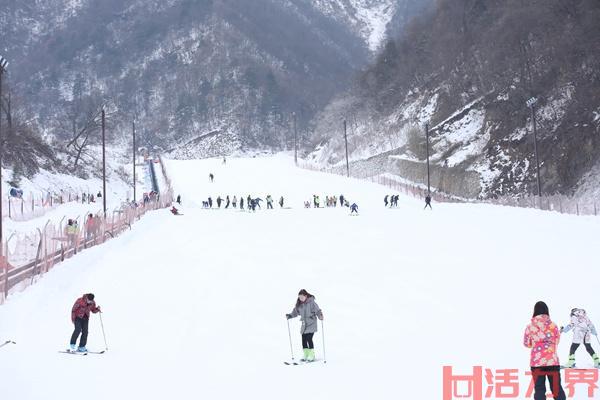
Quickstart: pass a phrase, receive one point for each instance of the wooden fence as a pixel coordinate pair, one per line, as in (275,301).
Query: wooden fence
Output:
(25,258)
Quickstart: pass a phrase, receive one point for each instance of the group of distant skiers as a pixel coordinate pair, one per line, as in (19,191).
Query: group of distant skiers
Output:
(250,203)
(391,200)
(175,210)
(330,201)
(92,227)
(148,197)
(89,197)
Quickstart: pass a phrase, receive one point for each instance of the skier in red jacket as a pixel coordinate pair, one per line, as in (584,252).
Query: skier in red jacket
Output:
(80,316)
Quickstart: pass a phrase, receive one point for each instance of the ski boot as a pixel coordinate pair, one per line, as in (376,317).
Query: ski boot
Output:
(72,348)
(596,360)
(82,349)
(305,358)
(311,355)
(571,362)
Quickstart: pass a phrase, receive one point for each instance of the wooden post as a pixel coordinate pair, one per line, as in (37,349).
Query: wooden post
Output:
(346,140)
(427,146)
(134,153)
(103,163)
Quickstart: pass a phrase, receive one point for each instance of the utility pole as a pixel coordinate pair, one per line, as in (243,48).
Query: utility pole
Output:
(103,164)
(531,103)
(428,175)
(134,153)
(346,140)
(295,140)
(3,64)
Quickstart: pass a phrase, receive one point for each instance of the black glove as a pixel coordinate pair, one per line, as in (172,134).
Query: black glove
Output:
(288,316)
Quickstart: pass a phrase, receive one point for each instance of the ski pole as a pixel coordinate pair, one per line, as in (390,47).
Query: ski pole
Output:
(323,334)
(103,334)
(290,335)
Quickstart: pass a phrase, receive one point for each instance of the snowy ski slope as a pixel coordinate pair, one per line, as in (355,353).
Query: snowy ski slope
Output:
(194,305)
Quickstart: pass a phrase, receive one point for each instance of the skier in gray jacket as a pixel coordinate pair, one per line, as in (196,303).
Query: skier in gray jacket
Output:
(309,311)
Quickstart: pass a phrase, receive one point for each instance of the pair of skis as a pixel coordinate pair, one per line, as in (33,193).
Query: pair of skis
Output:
(65,352)
(301,362)
(7,342)
(82,353)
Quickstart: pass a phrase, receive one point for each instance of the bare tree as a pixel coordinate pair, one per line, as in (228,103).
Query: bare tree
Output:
(23,147)
(83,121)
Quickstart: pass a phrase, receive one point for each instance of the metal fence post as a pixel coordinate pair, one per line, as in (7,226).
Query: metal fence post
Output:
(5,260)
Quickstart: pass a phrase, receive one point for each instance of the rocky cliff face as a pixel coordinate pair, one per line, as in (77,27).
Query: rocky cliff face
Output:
(467,69)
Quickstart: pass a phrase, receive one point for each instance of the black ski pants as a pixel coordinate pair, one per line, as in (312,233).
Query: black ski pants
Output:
(307,341)
(588,347)
(81,327)
(539,374)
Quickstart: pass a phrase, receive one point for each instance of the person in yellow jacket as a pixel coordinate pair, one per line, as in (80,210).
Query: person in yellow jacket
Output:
(71,231)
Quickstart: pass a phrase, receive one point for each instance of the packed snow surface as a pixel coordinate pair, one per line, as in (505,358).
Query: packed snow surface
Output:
(194,305)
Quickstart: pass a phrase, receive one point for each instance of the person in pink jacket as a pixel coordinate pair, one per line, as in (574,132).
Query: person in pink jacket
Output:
(542,337)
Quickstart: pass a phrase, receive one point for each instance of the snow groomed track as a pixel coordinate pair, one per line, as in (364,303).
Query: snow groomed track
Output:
(194,306)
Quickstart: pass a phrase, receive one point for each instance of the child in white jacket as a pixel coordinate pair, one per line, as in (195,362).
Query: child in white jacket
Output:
(582,331)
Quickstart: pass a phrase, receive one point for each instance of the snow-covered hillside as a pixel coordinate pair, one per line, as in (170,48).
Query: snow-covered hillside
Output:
(374,21)
(236,66)
(368,17)
(456,69)
(195,305)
